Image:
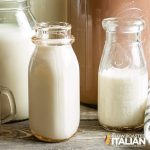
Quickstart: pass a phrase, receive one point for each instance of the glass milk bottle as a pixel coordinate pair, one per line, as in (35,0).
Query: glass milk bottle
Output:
(49,10)
(54,97)
(123,76)
(16,24)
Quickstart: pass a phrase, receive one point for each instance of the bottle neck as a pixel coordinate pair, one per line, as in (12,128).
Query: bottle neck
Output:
(123,38)
(54,33)
(11,5)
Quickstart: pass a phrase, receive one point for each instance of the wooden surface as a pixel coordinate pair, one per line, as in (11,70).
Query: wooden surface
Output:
(90,136)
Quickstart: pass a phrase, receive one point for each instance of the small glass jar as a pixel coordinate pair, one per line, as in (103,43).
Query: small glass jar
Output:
(54,97)
(16,48)
(123,76)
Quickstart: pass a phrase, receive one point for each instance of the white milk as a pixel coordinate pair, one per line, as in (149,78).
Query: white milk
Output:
(54,97)
(122,97)
(16,49)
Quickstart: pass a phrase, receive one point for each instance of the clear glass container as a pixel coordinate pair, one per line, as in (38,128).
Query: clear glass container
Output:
(54,89)
(16,48)
(123,76)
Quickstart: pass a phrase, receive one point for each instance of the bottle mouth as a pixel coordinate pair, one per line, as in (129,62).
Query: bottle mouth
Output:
(56,33)
(124,25)
(9,5)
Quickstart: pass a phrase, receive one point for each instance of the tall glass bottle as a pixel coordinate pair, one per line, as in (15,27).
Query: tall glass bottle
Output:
(54,89)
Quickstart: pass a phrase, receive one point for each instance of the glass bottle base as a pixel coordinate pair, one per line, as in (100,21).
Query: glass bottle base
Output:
(120,129)
(50,140)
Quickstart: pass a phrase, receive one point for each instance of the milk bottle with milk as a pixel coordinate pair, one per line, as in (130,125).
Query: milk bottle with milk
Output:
(54,97)
(123,76)
(16,48)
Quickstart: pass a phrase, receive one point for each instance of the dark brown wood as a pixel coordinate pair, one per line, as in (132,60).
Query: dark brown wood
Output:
(90,136)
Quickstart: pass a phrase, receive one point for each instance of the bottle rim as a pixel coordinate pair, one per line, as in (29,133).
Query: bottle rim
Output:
(53,33)
(124,25)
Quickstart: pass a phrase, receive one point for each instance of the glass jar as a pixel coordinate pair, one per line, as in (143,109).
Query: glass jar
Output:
(16,30)
(85,17)
(123,76)
(49,10)
(54,97)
